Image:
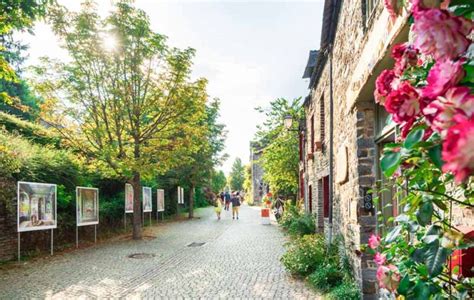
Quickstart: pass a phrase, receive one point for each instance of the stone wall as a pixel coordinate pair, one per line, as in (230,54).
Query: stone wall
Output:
(8,236)
(259,188)
(360,51)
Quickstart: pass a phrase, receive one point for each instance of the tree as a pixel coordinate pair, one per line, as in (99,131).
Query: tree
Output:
(247,185)
(16,15)
(208,143)
(237,175)
(280,157)
(218,181)
(125,93)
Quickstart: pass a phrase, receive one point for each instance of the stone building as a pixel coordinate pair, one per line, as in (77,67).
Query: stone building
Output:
(345,130)
(259,187)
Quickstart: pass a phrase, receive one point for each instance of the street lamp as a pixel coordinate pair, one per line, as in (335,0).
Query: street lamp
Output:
(288,121)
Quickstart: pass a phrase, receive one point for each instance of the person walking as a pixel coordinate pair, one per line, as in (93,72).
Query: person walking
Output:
(235,206)
(218,208)
(227,200)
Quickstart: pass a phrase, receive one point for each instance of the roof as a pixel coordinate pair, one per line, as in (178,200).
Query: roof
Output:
(328,32)
(313,54)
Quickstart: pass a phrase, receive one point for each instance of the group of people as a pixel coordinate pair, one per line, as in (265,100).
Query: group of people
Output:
(226,199)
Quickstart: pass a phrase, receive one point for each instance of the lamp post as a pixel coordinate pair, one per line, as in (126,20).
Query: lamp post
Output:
(288,123)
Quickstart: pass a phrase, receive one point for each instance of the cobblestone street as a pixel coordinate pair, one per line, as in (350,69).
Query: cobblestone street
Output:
(240,259)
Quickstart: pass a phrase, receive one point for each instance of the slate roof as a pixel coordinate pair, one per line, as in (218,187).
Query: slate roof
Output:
(313,54)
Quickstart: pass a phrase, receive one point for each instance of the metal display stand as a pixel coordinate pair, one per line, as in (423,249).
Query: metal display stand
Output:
(47,227)
(19,244)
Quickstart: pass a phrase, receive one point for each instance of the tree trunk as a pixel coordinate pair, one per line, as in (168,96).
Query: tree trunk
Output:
(191,201)
(137,211)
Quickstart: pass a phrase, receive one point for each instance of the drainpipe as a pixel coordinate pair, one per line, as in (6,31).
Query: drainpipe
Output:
(331,146)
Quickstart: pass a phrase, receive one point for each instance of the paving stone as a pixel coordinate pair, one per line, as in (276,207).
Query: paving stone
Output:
(240,260)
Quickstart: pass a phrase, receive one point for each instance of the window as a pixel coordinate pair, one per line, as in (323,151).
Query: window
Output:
(385,132)
(368,8)
(312,134)
(310,199)
(325,186)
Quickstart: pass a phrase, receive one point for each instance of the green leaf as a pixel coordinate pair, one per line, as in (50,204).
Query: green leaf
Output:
(440,204)
(424,213)
(435,258)
(393,234)
(469,69)
(414,137)
(390,162)
(421,291)
(405,285)
(435,154)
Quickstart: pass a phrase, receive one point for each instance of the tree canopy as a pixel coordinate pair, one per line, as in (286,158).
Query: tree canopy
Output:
(237,175)
(280,158)
(125,97)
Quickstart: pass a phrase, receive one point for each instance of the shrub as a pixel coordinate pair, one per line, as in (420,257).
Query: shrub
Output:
(290,213)
(326,277)
(302,225)
(33,132)
(348,290)
(304,255)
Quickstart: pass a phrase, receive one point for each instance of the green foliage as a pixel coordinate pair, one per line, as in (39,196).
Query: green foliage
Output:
(291,213)
(280,158)
(305,254)
(345,291)
(218,181)
(35,133)
(302,225)
(237,175)
(326,277)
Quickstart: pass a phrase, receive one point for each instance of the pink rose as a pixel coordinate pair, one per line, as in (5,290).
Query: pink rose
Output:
(384,85)
(405,55)
(374,241)
(456,101)
(458,149)
(440,34)
(388,277)
(442,76)
(379,259)
(403,103)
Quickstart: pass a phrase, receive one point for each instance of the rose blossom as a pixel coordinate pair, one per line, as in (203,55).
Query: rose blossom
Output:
(458,149)
(403,103)
(388,277)
(379,259)
(440,34)
(384,85)
(405,55)
(440,113)
(374,241)
(442,76)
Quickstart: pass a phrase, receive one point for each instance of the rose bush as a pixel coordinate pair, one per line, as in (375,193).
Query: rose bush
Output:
(429,94)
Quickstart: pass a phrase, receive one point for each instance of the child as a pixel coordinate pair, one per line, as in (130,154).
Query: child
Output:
(218,208)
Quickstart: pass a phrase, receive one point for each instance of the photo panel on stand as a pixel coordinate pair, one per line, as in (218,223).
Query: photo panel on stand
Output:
(147,206)
(87,206)
(128,198)
(36,206)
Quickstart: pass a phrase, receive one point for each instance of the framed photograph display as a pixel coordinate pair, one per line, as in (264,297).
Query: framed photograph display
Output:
(36,206)
(87,203)
(128,198)
(147,206)
(160,200)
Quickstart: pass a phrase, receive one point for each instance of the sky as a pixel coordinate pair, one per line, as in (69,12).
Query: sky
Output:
(251,52)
